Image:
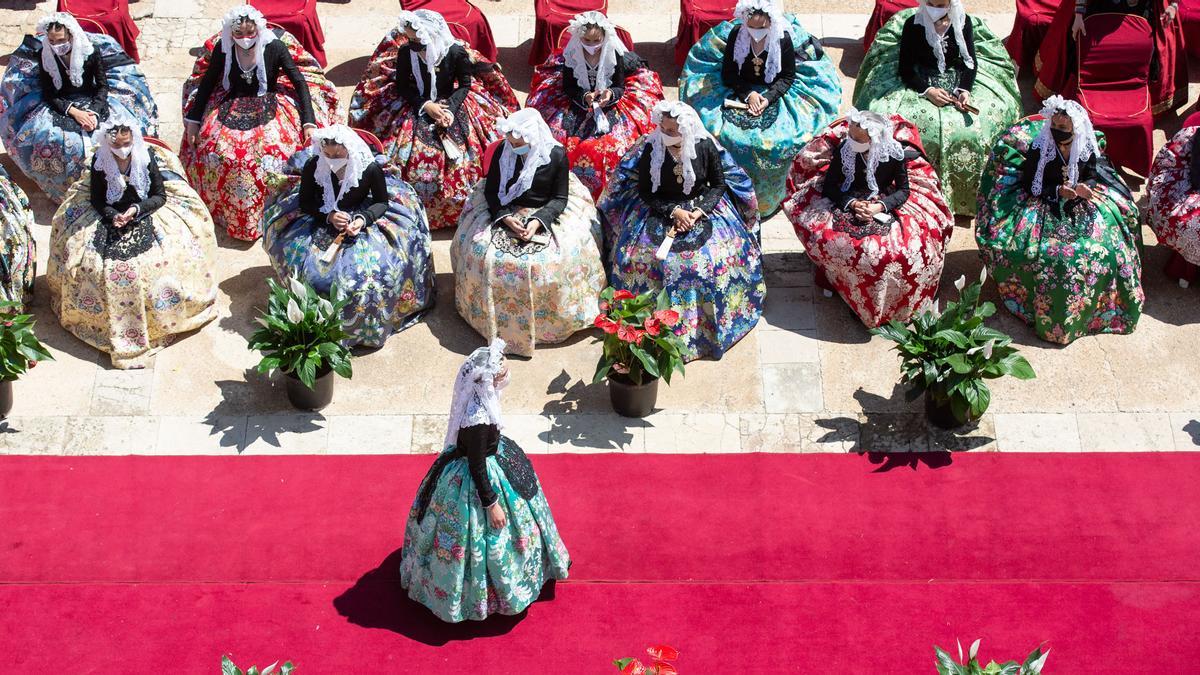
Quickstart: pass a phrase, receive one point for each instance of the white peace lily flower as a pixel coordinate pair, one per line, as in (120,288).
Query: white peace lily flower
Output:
(975,648)
(262,322)
(960,658)
(987,348)
(325,305)
(982,274)
(297,288)
(960,282)
(293,311)
(1036,666)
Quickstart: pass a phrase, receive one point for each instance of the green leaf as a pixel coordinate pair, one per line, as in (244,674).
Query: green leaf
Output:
(956,338)
(1019,368)
(621,663)
(286,668)
(982,399)
(253,671)
(945,663)
(228,667)
(646,360)
(959,363)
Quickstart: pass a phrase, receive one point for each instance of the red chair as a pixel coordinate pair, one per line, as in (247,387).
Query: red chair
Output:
(371,140)
(550,20)
(884,10)
(298,17)
(488,153)
(466,22)
(1189,15)
(1029,29)
(151,140)
(626,38)
(697,17)
(1114,86)
(91,26)
(112,15)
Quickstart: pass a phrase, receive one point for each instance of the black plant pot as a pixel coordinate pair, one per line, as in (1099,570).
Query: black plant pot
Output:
(310,399)
(629,399)
(6,398)
(939,413)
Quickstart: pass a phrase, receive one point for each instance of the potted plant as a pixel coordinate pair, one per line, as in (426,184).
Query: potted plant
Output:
(660,658)
(640,347)
(20,350)
(228,667)
(946,665)
(301,335)
(947,355)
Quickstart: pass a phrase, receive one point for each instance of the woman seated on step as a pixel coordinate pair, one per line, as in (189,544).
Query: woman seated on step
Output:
(680,214)
(526,255)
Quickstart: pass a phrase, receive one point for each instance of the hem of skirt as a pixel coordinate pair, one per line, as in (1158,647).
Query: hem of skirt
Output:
(546,579)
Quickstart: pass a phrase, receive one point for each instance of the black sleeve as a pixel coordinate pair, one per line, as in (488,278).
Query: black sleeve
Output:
(50,95)
(968,78)
(1194,162)
(617,84)
(831,189)
(157,195)
(731,74)
(571,87)
(99,78)
(714,179)
(787,71)
(899,194)
(1029,172)
(475,443)
(312,201)
(912,41)
(550,213)
(491,188)
(208,82)
(462,75)
(99,195)
(289,68)
(406,82)
(660,206)
(1087,172)
(374,209)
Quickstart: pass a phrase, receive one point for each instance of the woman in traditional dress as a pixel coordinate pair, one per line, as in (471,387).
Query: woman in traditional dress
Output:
(351,224)
(869,211)
(434,104)
(131,250)
(526,255)
(678,183)
(1174,188)
(18,251)
(762,86)
(597,98)
(58,88)
(932,65)
(480,539)
(1057,64)
(1058,229)
(243,121)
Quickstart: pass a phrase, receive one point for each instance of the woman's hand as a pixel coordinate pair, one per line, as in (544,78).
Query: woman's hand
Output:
(757,103)
(513,223)
(438,113)
(963,100)
(605,97)
(496,517)
(191,131)
(939,97)
(530,228)
(339,220)
(1077,28)
(682,219)
(1170,13)
(1084,192)
(308,132)
(589,98)
(357,223)
(1066,192)
(123,219)
(85,119)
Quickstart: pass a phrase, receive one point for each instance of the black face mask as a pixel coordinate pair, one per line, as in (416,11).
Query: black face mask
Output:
(416,46)
(1061,136)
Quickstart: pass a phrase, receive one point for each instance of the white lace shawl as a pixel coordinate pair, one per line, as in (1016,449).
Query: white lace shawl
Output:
(434,33)
(265,37)
(106,161)
(777,29)
(690,128)
(612,49)
(476,400)
(1083,145)
(528,125)
(359,155)
(884,146)
(958,20)
(81,49)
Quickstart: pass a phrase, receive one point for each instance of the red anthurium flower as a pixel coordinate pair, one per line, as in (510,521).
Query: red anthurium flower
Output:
(604,306)
(622,295)
(668,317)
(605,324)
(663,653)
(652,326)
(664,668)
(628,333)
(634,667)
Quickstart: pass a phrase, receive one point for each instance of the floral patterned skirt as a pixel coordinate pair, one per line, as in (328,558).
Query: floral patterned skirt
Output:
(458,566)
(131,307)
(593,155)
(957,143)
(1174,200)
(18,251)
(713,274)
(49,147)
(530,295)
(883,272)
(764,148)
(1068,270)
(386,271)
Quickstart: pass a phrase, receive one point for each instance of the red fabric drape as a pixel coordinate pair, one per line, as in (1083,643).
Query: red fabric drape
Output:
(1029,29)
(467,23)
(113,15)
(697,17)
(298,17)
(1057,69)
(884,10)
(1114,71)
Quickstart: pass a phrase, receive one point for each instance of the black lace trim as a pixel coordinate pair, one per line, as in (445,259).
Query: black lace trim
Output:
(68,123)
(744,120)
(431,134)
(504,240)
(247,112)
(123,243)
(692,240)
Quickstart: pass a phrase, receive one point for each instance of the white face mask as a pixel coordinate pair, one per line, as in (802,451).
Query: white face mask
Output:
(522,150)
(936,13)
(502,382)
(858,146)
(592,49)
(758,33)
(61,49)
(671,141)
(246,43)
(123,153)
(337,163)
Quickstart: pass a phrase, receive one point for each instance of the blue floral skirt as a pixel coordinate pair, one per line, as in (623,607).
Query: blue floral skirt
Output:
(18,252)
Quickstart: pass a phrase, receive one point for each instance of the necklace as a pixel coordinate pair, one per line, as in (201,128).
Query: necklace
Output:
(247,74)
(678,169)
(757,62)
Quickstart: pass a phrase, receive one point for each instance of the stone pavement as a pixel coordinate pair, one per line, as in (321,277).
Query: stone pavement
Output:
(808,379)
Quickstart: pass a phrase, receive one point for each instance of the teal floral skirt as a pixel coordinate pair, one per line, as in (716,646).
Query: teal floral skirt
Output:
(457,565)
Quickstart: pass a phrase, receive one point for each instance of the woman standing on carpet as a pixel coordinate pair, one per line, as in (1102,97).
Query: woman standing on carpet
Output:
(678,182)
(871,216)
(353,224)
(1058,229)
(931,65)
(434,104)
(597,97)
(58,88)
(242,120)
(526,255)
(762,86)
(131,250)
(480,539)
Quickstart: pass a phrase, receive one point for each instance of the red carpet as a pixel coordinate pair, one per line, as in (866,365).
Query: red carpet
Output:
(746,563)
